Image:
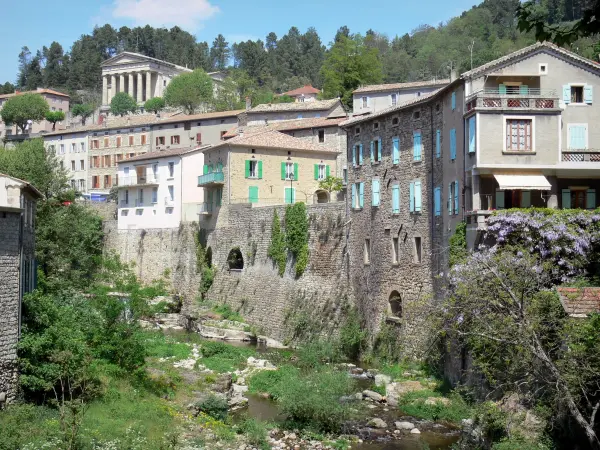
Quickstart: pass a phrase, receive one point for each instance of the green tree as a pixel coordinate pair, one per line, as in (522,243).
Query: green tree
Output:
(55,69)
(331,184)
(228,96)
(220,53)
(349,64)
(7,88)
(23,107)
(55,116)
(189,91)
(83,110)
(154,104)
(122,103)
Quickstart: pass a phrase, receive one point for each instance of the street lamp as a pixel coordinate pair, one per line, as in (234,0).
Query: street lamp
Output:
(291,187)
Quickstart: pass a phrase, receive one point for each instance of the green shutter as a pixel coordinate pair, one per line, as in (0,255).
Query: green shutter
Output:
(372,151)
(316,171)
(205,169)
(283,170)
(499,199)
(253,194)
(502,89)
(296,171)
(259,169)
(566,199)
(523,89)
(247,169)
(327,170)
(450,199)
(525,199)
(566,93)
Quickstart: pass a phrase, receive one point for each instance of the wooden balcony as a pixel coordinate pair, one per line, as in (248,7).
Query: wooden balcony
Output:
(528,100)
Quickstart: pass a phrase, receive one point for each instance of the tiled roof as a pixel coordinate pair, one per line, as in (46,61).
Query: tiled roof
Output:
(317,105)
(579,302)
(163,154)
(273,139)
(399,86)
(37,91)
(525,51)
(204,116)
(288,125)
(307,89)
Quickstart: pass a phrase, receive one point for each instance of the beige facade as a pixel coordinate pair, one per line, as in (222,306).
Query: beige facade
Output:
(374,98)
(277,112)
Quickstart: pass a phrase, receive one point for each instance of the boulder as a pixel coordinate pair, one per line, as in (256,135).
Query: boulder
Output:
(376,397)
(382,380)
(238,389)
(377,423)
(404,425)
(394,391)
(415,431)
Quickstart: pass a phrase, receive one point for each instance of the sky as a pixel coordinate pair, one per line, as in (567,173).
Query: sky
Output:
(39,22)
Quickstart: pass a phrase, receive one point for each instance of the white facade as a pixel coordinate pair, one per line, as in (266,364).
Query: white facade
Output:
(385,96)
(71,149)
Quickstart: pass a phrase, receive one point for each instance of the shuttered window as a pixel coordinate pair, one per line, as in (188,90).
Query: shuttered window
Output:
(395,199)
(375,192)
(472,134)
(453,144)
(438,144)
(417,146)
(519,135)
(395,150)
(578,136)
(415,196)
(437,201)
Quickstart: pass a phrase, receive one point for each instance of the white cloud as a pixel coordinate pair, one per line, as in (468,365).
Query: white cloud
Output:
(183,13)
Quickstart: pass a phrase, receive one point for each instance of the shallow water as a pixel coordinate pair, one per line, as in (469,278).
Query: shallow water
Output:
(435,441)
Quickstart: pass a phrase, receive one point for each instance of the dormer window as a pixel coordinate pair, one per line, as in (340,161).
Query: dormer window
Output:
(394,99)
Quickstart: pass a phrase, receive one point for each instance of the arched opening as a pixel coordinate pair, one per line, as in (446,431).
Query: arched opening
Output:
(322,196)
(235,260)
(208,257)
(395,304)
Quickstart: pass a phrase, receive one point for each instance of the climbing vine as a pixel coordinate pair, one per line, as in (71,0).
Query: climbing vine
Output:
(277,248)
(458,245)
(296,230)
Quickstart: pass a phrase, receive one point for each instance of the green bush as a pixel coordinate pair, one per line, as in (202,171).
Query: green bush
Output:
(227,313)
(270,381)
(315,353)
(28,424)
(352,337)
(277,248)
(222,357)
(413,404)
(296,231)
(214,406)
(256,432)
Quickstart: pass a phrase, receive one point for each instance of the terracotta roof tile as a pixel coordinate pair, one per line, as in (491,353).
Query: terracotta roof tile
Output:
(579,302)
(400,86)
(317,105)
(307,89)
(272,139)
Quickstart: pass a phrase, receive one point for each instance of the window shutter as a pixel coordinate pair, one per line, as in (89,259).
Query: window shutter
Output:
(502,89)
(472,135)
(354,155)
(523,89)
(437,200)
(590,199)
(566,199)
(210,169)
(316,171)
(209,200)
(417,196)
(438,145)
(353,196)
(411,197)
(525,199)
(296,171)
(375,192)
(395,199)
(588,93)
(247,168)
(283,170)
(499,199)
(456,197)
(395,150)
(453,101)
(361,194)
(453,143)
(417,146)
(379,150)
(205,169)
(577,137)
(259,169)
(327,170)
(372,151)
(566,93)
(360,156)
(252,193)
(450,198)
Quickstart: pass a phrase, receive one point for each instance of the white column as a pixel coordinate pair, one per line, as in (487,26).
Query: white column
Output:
(148,85)
(105,90)
(122,83)
(130,85)
(113,86)
(139,97)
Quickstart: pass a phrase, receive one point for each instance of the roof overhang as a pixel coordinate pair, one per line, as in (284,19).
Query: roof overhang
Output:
(522,182)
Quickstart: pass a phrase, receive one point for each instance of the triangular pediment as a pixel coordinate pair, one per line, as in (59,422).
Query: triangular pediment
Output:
(126,58)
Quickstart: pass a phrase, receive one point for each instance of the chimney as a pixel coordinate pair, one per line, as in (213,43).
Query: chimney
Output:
(248,103)
(100,119)
(453,75)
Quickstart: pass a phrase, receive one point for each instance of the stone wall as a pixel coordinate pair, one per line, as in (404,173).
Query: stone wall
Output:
(10,225)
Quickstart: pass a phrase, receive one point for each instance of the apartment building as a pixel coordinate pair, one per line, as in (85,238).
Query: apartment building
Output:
(71,149)
(377,97)
(270,113)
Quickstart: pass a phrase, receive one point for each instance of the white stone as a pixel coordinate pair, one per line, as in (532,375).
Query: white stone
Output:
(405,425)
(375,396)
(415,431)
(377,423)
(382,380)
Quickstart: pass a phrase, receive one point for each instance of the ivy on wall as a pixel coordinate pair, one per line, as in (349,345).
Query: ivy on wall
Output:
(204,263)
(293,239)
(277,248)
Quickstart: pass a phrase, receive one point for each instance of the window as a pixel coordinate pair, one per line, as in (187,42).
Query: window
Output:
(95,182)
(126,200)
(119,157)
(299,116)
(417,115)
(171,169)
(519,135)
(344,176)
(253,194)
(73,147)
(131,139)
(356,131)
(253,169)
(96,143)
(438,144)
(367,251)
(418,250)
(291,171)
(454,199)
(453,100)
(160,140)
(95,162)
(394,99)
(321,171)
(580,198)
(321,136)
(395,121)
(187,126)
(375,192)
(140,197)
(543,68)
(417,146)
(223,133)
(119,141)
(198,138)
(453,144)
(395,150)
(395,250)
(395,199)
(365,102)
(139,212)
(437,201)
(415,196)
(376,150)
(171,192)
(106,161)
(106,142)
(143,137)
(82,164)
(73,165)
(62,149)
(576,94)
(357,155)
(376,125)
(107,181)
(82,185)
(175,139)
(82,147)
(358,192)
(471,134)
(154,195)
(577,136)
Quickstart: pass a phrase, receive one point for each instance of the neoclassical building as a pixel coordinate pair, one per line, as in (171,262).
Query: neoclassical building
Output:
(140,76)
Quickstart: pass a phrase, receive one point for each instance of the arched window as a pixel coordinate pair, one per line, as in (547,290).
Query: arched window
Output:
(235,260)
(395,304)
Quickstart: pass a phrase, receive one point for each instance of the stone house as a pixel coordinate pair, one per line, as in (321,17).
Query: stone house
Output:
(270,113)
(17,272)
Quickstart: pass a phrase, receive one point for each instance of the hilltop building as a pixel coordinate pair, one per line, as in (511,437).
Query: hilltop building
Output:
(270,113)
(305,93)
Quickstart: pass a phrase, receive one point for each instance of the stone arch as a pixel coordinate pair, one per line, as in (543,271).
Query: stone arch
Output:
(322,196)
(395,304)
(208,256)
(235,260)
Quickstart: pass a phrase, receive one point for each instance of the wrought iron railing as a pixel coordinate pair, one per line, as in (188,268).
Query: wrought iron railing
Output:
(583,155)
(538,99)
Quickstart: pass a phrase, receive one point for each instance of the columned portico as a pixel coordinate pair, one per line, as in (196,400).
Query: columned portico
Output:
(139,97)
(130,85)
(113,87)
(148,86)
(122,82)
(104,90)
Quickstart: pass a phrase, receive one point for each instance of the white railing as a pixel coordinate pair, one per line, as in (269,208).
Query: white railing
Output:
(538,99)
(135,180)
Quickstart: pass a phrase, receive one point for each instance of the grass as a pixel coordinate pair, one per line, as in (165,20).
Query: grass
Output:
(413,404)
(227,313)
(23,424)
(256,432)
(159,345)
(222,357)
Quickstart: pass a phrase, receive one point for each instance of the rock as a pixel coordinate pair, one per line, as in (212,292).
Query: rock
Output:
(394,391)
(382,380)
(237,401)
(376,397)
(241,380)
(356,371)
(222,383)
(238,389)
(292,436)
(404,425)
(377,423)
(415,431)
(437,400)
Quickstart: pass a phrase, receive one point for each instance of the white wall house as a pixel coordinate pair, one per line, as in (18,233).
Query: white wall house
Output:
(160,190)
(71,149)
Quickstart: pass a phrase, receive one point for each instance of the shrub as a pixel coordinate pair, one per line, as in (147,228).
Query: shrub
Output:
(352,338)
(255,431)
(214,406)
(414,404)
(222,357)
(227,313)
(277,248)
(296,230)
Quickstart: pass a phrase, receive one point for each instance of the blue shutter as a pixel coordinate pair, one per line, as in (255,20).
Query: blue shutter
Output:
(379,151)
(453,101)
(577,137)
(395,150)
(354,155)
(411,197)
(438,145)
(395,199)
(499,199)
(502,89)
(360,155)
(361,194)
(450,199)
(375,192)
(566,199)
(417,146)
(525,199)
(590,199)
(472,135)
(372,151)
(456,197)
(437,200)
(417,196)
(353,195)
(566,93)
(588,93)
(453,143)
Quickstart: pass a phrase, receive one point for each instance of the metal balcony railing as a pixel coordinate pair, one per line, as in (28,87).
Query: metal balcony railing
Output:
(533,99)
(134,180)
(211,178)
(124,203)
(580,155)
(139,203)
(205,208)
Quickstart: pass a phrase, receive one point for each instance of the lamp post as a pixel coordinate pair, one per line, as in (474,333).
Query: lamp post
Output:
(291,188)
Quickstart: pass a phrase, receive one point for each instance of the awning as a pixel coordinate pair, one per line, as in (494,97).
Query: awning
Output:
(523,182)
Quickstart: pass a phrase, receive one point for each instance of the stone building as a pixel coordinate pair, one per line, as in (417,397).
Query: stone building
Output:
(17,272)
(303,94)
(269,113)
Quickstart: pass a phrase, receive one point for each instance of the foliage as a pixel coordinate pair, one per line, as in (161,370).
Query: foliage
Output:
(296,230)
(122,103)
(228,96)
(208,277)
(189,91)
(458,245)
(159,345)
(28,424)
(154,104)
(256,432)
(83,110)
(352,337)
(23,107)
(55,116)
(213,405)
(422,404)
(221,357)
(387,347)
(204,265)
(331,184)
(227,313)
(277,248)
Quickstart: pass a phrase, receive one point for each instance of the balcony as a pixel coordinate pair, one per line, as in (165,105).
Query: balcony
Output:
(529,99)
(213,178)
(205,209)
(169,202)
(124,204)
(151,180)
(580,156)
